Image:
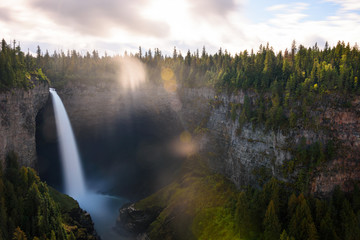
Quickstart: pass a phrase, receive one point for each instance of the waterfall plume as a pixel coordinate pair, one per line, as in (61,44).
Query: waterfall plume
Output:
(72,170)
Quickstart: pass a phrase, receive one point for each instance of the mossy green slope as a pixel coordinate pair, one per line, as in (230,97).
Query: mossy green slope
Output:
(194,206)
(201,204)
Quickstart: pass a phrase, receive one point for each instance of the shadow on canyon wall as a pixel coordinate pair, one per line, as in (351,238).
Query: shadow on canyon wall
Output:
(129,156)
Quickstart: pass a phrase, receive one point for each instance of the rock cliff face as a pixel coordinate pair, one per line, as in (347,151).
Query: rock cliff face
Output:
(237,152)
(243,151)
(344,126)
(18,110)
(91,106)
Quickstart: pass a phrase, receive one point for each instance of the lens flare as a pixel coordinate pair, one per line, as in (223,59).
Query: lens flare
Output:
(175,104)
(185,145)
(185,137)
(169,80)
(167,74)
(170,86)
(132,73)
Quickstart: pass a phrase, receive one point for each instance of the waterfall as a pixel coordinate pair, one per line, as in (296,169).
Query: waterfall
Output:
(103,208)
(72,171)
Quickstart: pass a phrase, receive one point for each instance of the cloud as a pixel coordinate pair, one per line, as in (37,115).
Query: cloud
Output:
(5,15)
(213,7)
(214,10)
(288,8)
(347,5)
(293,21)
(277,7)
(100,18)
(212,23)
(118,25)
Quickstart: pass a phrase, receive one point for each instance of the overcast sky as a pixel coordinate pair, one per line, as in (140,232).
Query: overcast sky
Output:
(116,26)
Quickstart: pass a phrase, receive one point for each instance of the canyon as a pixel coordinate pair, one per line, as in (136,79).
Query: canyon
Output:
(200,111)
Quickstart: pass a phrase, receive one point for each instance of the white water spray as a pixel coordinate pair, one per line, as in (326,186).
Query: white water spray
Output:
(72,171)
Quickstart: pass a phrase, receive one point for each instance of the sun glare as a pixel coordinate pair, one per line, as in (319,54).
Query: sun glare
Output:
(132,73)
(173,12)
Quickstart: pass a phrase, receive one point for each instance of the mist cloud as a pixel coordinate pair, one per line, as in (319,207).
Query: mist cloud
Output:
(213,9)
(97,18)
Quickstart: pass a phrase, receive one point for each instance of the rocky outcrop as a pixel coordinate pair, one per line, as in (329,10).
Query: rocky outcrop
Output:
(133,222)
(82,225)
(18,110)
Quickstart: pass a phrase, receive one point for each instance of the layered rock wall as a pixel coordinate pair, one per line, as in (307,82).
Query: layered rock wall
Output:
(242,151)
(237,153)
(343,123)
(18,110)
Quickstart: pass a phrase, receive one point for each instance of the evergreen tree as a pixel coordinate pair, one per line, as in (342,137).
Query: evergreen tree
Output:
(242,215)
(271,223)
(350,223)
(301,224)
(356,198)
(19,234)
(284,236)
(327,230)
(71,236)
(26,207)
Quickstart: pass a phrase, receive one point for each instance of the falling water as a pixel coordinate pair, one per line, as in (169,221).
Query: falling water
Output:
(103,208)
(72,171)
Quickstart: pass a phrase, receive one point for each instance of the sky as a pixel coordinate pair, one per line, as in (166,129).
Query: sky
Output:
(116,26)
